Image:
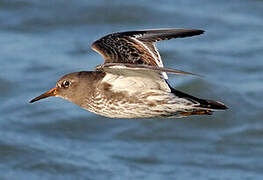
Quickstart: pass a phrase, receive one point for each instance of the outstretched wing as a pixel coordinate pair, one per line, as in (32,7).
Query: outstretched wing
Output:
(137,47)
(111,67)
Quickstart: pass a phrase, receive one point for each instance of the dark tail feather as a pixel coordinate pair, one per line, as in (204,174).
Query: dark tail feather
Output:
(213,105)
(209,104)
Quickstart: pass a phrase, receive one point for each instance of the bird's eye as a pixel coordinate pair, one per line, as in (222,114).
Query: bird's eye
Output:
(66,83)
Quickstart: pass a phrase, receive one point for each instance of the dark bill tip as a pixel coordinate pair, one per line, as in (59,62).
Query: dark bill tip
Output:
(33,100)
(52,92)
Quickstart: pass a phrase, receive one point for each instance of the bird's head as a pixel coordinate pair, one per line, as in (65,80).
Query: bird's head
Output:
(73,87)
(65,88)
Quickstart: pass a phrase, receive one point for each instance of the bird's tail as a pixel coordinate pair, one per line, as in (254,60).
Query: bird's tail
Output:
(204,107)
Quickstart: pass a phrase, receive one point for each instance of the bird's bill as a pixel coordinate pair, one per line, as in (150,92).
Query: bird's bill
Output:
(52,92)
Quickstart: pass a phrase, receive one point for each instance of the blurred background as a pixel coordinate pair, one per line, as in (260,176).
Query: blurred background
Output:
(53,139)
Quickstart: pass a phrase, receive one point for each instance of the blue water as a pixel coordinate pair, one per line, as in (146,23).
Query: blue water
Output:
(54,139)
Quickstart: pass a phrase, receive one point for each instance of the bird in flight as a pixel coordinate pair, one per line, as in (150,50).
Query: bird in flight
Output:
(132,82)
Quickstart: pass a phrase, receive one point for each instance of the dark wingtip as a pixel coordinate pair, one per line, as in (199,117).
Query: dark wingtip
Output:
(197,31)
(201,31)
(189,32)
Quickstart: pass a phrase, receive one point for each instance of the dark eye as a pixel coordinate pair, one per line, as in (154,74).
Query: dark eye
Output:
(66,83)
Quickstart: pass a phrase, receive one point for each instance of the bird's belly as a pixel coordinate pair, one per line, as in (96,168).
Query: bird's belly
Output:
(143,106)
(127,111)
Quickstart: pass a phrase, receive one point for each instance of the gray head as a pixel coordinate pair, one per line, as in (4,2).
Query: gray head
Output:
(73,86)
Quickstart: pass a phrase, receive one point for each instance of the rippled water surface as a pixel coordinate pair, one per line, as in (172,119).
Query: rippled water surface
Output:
(54,139)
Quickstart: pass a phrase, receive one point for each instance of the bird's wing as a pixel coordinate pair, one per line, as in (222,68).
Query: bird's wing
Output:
(115,67)
(134,77)
(133,80)
(137,47)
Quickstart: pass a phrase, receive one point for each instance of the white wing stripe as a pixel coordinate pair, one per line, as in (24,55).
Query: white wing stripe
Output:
(158,59)
(152,54)
(158,54)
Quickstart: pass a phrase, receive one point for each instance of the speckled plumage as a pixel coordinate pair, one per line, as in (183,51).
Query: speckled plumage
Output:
(132,81)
